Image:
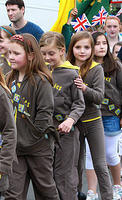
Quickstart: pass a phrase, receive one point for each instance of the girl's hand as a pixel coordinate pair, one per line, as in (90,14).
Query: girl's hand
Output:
(79,83)
(121,122)
(66,125)
(73,14)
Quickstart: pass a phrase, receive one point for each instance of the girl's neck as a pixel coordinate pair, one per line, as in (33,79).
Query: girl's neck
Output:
(99,60)
(60,63)
(78,63)
(113,40)
(21,76)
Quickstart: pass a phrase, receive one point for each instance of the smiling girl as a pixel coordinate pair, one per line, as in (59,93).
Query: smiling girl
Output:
(91,82)
(68,107)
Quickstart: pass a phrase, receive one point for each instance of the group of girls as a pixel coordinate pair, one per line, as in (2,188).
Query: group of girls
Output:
(97,70)
(72,107)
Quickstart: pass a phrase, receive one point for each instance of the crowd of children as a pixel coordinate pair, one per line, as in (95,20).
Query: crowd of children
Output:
(60,109)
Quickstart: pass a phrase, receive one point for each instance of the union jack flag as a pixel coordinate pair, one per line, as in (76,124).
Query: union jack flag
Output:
(119,12)
(100,18)
(80,23)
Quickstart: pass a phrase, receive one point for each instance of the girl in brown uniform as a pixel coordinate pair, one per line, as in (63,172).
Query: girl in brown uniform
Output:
(8,135)
(68,108)
(91,82)
(111,114)
(30,83)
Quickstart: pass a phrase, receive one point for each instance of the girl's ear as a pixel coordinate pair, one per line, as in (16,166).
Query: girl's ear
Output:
(30,56)
(62,51)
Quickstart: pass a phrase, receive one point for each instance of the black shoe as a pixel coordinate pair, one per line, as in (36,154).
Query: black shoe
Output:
(81,196)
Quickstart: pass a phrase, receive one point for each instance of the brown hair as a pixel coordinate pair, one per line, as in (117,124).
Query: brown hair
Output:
(109,64)
(19,3)
(9,31)
(117,44)
(36,64)
(70,56)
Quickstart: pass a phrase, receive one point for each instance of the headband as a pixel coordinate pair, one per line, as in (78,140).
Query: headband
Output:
(17,37)
(6,30)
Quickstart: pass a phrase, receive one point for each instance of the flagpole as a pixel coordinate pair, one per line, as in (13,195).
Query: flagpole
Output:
(75,3)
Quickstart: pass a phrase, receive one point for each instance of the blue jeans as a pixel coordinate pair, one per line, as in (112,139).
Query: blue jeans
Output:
(111,125)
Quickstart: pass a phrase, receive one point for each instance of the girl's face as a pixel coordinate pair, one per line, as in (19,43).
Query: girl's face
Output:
(17,57)
(4,42)
(52,55)
(101,46)
(82,50)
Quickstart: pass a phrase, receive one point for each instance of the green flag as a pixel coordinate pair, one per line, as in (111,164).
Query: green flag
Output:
(90,8)
(95,7)
(82,6)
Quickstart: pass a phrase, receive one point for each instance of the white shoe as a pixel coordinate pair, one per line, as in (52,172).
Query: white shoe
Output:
(117,192)
(91,195)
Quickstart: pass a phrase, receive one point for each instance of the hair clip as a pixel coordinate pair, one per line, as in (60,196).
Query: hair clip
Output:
(17,37)
(6,30)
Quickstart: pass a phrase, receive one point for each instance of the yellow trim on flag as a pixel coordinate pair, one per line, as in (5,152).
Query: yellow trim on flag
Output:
(64,7)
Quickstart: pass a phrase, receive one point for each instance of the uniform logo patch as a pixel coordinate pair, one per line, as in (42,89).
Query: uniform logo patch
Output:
(105,101)
(13,88)
(21,108)
(111,107)
(16,97)
(117,111)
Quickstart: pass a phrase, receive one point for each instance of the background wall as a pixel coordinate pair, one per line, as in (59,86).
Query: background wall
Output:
(42,12)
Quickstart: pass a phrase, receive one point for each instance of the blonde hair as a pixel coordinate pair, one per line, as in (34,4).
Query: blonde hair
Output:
(51,37)
(3,82)
(112,17)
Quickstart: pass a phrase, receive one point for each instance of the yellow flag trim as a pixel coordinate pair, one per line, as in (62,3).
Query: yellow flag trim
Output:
(64,7)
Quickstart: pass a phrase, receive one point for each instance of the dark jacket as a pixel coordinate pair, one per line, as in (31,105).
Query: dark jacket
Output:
(8,133)
(94,92)
(68,99)
(33,107)
(113,94)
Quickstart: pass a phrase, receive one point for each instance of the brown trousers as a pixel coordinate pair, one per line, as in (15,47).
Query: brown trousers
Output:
(66,164)
(94,133)
(37,167)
